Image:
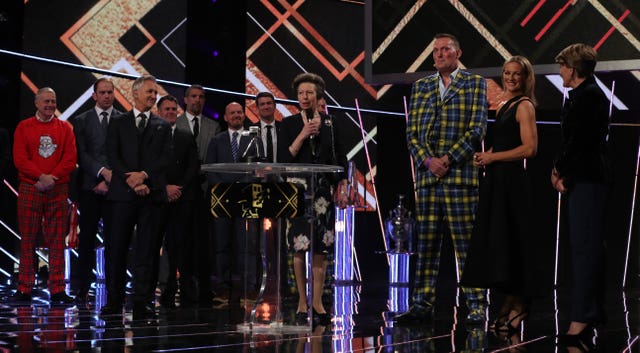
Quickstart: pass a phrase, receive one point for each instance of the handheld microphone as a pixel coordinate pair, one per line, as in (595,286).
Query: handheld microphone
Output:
(309,113)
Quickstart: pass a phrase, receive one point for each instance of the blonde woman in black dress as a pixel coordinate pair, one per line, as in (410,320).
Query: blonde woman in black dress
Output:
(498,256)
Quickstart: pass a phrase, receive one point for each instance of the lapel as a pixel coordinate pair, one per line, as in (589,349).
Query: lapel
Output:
(456,85)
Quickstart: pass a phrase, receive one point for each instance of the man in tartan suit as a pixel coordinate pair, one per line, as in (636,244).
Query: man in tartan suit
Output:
(447,121)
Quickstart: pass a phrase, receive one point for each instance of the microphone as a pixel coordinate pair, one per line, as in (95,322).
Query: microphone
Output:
(309,112)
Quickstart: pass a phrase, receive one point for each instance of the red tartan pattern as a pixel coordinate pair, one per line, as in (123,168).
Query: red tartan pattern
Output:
(47,212)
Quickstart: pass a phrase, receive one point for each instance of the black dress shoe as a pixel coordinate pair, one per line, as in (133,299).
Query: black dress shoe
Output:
(143,311)
(60,298)
(82,297)
(168,304)
(417,315)
(111,309)
(19,297)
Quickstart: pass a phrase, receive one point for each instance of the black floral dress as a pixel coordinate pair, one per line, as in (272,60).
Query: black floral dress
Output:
(324,149)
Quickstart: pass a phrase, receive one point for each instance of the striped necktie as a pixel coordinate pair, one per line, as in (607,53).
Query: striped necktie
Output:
(234,146)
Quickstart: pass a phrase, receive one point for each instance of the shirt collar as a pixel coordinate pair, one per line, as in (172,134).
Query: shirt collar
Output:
(136,112)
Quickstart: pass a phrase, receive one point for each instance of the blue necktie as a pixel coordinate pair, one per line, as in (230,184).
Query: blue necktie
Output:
(234,146)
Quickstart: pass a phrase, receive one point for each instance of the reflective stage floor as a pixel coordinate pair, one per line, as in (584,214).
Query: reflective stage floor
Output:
(361,323)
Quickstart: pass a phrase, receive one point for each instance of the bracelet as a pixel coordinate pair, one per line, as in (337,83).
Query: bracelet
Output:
(428,162)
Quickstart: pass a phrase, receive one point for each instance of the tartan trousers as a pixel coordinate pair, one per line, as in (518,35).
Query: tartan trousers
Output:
(47,212)
(437,206)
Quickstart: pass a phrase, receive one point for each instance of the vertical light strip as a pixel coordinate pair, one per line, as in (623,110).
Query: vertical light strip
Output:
(373,179)
(633,207)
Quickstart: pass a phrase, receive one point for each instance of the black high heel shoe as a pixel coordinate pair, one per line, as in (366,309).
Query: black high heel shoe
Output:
(323,319)
(302,318)
(507,328)
(585,340)
(499,321)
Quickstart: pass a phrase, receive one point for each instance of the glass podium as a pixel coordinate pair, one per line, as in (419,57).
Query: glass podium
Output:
(265,198)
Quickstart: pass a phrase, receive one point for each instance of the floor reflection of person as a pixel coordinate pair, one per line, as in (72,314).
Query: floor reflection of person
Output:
(500,255)
(309,137)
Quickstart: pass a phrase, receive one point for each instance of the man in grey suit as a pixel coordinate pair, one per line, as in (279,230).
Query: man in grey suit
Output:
(90,129)
(203,129)
(198,125)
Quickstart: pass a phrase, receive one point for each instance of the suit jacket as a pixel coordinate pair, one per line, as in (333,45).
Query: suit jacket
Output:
(185,167)
(130,151)
(208,130)
(583,156)
(454,125)
(219,151)
(91,142)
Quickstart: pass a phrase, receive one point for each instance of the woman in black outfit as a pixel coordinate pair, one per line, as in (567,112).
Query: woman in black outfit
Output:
(309,137)
(499,254)
(581,173)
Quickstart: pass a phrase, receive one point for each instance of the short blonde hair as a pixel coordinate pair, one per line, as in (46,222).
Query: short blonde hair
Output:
(579,56)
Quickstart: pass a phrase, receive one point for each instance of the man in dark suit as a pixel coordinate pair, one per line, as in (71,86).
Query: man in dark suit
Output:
(183,190)
(90,129)
(203,129)
(229,234)
(269,127)
(194,122)
(139,152)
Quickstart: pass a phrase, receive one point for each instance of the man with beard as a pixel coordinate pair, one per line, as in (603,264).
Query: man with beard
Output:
(90,129)
(203,129)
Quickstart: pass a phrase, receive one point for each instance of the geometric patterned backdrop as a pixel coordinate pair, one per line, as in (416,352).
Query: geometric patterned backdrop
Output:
(133,37)
(399,40)
(285,38)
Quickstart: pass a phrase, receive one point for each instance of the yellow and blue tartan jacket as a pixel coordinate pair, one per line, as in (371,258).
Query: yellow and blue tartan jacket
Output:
(454,125)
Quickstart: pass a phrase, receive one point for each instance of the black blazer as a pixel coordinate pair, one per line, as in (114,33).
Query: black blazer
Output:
(129,151)
(219,151)
(185,166)
(584,153)
(91,143)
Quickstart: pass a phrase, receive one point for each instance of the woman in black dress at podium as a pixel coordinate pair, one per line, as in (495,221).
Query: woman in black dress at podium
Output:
(309,137)
(499,255)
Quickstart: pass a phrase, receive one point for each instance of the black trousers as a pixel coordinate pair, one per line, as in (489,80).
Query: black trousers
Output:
(144,216)
(179,237)
(92,207)
(586,207)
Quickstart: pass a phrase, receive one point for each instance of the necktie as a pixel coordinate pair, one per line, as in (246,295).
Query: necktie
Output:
(234,146)
(269,144)
(196,127)
(104,121)
(141,122)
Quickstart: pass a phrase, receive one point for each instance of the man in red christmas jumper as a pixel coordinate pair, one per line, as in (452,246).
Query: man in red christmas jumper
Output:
(44,153)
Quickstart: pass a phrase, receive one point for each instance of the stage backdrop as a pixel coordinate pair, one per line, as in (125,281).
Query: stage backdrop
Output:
(140,37)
